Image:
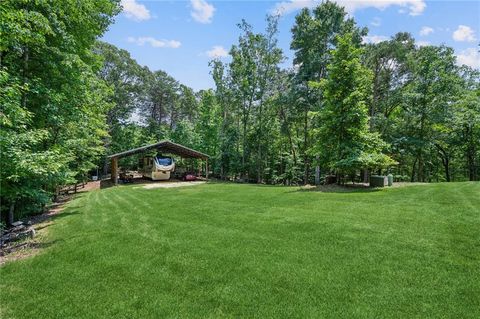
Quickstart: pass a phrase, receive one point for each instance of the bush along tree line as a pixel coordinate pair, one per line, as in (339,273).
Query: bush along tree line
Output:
(350,108)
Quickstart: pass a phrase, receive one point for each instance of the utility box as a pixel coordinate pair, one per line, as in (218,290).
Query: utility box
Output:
(390,179)
(378,181)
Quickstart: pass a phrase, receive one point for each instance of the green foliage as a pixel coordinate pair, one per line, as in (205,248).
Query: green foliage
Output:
(388,61)
(314,35)
(52,103)
(427,105)
(253,76)
(344,141)
(125,76)
(267,125)
(207,128)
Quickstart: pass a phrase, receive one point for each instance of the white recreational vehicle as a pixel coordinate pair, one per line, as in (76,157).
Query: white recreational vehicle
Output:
(158,168)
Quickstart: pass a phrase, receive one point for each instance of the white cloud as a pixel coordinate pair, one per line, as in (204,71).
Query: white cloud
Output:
(424,31)
(415,7)
(376,22)
(422,43)
(217,52)
(202,11)
(464,33)
(154,42)
(469,57)
(135,11)
(374,38)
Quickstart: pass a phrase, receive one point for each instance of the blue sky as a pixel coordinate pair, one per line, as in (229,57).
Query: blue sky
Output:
(181,37)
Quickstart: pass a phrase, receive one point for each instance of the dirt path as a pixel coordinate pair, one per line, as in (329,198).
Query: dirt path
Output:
(171,184)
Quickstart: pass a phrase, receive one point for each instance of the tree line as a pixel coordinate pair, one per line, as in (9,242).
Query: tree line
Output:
(349,108)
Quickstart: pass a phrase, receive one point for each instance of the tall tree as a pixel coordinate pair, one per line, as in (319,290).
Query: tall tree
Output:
(228,134)
(426,102)
(208,127)
(467,121)
(314,36)
(49,71)
(162,99)
(126,78)
(253,68)
(388,62)
(344,140)
(124,75)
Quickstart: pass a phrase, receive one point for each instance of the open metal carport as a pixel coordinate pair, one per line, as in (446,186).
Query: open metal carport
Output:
(163,147)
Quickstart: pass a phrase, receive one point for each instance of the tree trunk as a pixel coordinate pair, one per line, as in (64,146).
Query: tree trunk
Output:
(412,179)
(259,150)
(365,175)
(472,174)
(289,135)
(447,169)
(420,176)
(445,157)
(244,146)
(305,145)
(317,173)
(259,163)
(222,145)
(471,160)
(10,215)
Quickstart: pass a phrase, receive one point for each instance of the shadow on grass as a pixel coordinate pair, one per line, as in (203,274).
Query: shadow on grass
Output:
(332,188)
(24,249)
(106,183)
(66,213)
(54,217)
(338,189)
(221,182)
(42,245)
(50,219)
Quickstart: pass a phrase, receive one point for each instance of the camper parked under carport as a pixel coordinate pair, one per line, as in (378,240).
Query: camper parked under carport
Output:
(163,147)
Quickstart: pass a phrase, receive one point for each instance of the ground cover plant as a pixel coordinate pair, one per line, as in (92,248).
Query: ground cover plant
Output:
(227,250)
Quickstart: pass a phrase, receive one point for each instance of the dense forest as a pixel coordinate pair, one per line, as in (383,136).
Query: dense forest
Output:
(67,100)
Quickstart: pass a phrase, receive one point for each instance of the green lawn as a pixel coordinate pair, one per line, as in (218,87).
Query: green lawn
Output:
(225,250)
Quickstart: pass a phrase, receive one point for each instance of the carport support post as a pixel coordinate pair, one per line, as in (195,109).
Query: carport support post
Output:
(114,170)
(206,168)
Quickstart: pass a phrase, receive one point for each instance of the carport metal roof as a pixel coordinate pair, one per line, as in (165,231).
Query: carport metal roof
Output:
(164,147)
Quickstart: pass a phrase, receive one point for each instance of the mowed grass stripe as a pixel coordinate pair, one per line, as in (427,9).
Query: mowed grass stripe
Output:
(224,250)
